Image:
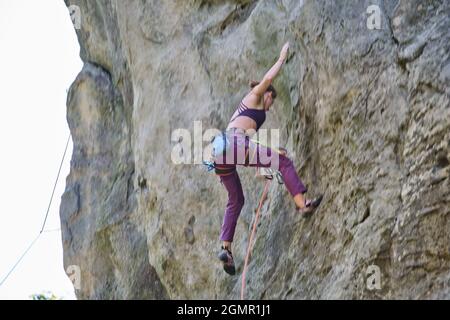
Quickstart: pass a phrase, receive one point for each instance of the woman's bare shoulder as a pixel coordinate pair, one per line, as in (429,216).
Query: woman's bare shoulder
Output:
(251,100)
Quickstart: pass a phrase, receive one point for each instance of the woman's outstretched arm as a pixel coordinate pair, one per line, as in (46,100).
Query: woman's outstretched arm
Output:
(272,73)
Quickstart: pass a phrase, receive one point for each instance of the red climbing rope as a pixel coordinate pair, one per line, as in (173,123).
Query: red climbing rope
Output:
(250,246)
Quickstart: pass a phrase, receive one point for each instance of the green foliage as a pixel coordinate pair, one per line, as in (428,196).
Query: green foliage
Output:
(44,296)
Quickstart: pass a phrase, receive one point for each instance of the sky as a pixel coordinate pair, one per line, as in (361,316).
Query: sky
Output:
(39,59)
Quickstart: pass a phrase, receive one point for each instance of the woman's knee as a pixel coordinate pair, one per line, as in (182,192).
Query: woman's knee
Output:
(285,162)
(241,200)
(236,201)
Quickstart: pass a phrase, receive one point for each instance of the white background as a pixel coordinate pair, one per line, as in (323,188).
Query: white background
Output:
(39,59)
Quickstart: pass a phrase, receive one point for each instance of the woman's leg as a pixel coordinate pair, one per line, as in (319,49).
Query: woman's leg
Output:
(234,206)
(260,156)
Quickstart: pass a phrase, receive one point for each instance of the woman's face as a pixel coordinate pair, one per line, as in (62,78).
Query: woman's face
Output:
(268,100)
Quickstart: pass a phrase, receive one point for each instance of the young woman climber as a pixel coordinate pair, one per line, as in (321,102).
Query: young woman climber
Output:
(240,150)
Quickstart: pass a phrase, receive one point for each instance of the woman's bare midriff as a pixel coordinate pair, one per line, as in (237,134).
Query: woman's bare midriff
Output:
(242,122)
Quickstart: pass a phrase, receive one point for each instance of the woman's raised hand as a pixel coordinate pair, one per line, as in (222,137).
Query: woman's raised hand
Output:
(284,52)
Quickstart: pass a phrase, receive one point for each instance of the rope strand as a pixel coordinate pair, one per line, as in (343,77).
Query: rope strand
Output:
(250,246)
(56,182)
(45,220)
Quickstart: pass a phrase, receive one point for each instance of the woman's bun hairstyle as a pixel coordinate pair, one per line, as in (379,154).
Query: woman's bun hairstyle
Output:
(254,83)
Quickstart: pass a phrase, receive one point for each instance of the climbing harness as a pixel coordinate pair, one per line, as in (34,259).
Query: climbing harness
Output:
(220,144)
(269,173)
(223,170)
(250,246)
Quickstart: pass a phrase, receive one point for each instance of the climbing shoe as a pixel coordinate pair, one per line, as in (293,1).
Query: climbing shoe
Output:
(228,262)
(311,205)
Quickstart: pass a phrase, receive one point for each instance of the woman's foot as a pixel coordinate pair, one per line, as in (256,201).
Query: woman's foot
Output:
(310,206)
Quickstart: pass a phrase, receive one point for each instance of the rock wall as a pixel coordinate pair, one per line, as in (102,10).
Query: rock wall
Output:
(365,113)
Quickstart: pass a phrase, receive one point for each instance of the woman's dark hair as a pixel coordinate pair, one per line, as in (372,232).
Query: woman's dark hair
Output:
(270,88)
